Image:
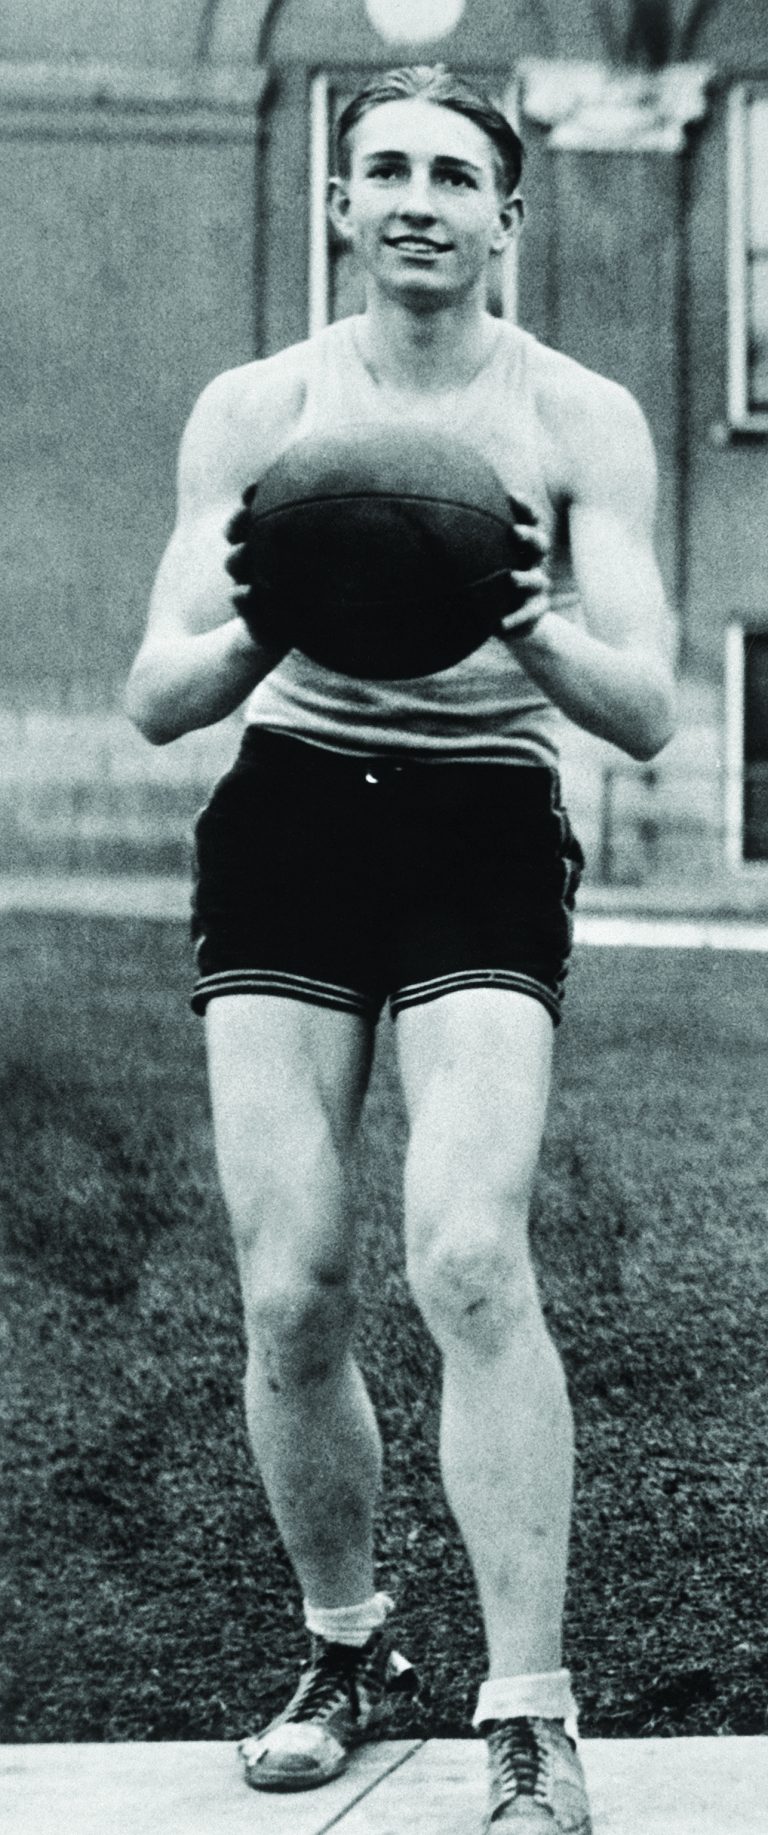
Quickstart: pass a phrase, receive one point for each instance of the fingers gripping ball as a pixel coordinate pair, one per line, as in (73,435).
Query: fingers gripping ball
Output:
(384,553)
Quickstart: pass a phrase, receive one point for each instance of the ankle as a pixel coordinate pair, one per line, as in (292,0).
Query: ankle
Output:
(348,1624)
(546,1695)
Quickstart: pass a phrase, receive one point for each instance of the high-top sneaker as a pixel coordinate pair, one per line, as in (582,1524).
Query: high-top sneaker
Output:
(339,1702)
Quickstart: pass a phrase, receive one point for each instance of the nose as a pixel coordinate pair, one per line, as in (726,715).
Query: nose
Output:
(416,203)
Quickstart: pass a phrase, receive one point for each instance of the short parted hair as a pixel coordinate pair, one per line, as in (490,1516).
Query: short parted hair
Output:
(435,83)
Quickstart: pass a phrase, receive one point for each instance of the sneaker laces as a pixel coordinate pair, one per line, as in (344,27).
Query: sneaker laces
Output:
(328,1683)
(521,1760)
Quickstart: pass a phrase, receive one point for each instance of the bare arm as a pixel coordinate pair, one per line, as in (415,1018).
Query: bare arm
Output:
(615,676)
(197,661)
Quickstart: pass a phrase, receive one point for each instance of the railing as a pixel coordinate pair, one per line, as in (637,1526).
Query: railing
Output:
(649,826)
(83,792)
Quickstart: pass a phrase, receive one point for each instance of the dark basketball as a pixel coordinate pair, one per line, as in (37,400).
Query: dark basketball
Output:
(377,551)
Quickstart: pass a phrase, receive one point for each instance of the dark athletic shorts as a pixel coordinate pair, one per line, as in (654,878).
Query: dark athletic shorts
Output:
(346,881)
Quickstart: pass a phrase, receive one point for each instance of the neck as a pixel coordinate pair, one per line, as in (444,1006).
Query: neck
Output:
(425,352)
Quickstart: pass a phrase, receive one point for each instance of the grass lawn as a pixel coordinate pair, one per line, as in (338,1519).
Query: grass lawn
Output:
(145,1592)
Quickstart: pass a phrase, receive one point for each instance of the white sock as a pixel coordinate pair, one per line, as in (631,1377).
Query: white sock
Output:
(348,1624)
(546,1696)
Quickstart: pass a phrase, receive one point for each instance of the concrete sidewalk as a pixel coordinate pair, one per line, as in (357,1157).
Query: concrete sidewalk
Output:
(638,1787)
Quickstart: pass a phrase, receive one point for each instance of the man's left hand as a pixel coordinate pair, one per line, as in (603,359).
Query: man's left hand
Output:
(529,580)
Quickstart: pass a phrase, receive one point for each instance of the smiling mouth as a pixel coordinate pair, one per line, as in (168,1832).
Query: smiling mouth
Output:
(418,245)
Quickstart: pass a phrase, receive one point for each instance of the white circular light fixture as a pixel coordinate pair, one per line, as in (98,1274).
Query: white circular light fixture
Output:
(414,21)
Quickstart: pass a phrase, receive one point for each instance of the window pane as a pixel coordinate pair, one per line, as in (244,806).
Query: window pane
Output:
(756,745)
(758,332)
(757,176)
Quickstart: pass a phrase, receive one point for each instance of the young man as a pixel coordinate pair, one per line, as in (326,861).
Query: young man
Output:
(406,840)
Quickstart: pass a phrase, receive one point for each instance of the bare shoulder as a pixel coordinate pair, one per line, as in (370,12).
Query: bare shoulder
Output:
(596,435)
(240,422)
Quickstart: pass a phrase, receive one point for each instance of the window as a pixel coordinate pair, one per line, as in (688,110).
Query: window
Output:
(747,744)
(748,257)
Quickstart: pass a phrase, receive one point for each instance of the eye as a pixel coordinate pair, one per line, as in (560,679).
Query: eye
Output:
(385,169)
(458,180)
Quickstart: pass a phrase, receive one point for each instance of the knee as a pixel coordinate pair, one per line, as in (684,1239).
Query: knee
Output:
(474,1293)
(299,1330)
(467,1256)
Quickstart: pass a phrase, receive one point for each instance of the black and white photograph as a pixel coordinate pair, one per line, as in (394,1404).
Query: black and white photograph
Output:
(384,917)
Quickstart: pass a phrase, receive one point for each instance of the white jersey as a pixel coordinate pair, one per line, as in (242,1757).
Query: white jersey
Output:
(484,707)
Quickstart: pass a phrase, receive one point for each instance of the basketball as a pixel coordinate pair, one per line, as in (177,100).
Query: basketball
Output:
(378,553)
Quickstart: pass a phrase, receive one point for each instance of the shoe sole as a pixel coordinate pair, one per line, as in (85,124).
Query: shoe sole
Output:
(285,1786)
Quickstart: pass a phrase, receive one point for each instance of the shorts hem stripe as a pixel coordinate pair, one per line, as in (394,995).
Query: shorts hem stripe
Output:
(418,992)
(269,981)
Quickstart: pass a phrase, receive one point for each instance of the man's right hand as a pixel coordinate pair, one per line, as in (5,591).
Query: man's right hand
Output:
(255,603)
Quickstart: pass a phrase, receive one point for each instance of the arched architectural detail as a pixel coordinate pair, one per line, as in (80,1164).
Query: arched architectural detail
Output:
(271,13)
(206,27)
(651,34)
(233,31)
(307,31)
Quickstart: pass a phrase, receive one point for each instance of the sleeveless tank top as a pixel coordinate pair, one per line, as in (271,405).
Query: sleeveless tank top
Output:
(485,707)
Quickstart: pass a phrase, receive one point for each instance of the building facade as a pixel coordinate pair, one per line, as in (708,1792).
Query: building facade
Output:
(162,180)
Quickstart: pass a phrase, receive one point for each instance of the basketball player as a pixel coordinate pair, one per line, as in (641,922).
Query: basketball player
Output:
(406,841)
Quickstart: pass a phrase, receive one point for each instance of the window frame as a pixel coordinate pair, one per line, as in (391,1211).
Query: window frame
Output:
(738,633)
(741,417)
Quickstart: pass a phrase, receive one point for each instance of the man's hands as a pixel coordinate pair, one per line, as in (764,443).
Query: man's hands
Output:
(528,582)
(255,603)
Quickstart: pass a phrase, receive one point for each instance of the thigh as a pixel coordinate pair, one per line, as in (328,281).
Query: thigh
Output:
(287,1084)
(476,1069)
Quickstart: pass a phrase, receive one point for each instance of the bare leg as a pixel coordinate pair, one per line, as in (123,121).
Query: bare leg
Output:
(476,1069)
(287,1085)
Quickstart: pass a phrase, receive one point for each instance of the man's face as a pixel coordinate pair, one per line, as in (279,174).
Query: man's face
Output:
(422,204)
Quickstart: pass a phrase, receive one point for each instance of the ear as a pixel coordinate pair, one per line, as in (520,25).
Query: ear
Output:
(510,222)
(338,207)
